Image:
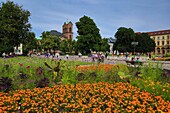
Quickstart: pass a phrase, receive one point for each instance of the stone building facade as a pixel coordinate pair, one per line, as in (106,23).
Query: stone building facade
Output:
(68,30)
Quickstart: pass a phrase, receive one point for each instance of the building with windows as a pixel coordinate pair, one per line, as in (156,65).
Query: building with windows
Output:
(162,41)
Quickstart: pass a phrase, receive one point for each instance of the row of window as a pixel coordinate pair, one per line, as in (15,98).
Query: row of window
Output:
(158,43)
(158,38)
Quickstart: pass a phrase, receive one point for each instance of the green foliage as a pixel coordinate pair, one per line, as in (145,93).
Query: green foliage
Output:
(152,71)
(124,37)
(69,76)
(64,46)
(146,44)
(89,37)
(167,55)
(32,44)
(86,26)
(14,25)
(50,41)
(104,46)
(26,71)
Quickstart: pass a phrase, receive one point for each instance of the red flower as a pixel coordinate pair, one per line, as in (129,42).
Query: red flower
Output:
(20,64)
(28,66)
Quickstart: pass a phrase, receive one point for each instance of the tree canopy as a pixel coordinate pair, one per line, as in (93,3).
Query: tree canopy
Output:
(50,41)
(146,44)
(89,37)
(125,37)
(14,25)
(34,43)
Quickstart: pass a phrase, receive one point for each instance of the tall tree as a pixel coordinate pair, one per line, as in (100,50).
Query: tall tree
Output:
(145,43)
(89,36)
(14,24)
(32,44)
(124,37)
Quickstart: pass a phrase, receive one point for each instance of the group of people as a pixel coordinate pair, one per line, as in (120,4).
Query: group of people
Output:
(98,56)
(6,55)
(53,55)
(137,59)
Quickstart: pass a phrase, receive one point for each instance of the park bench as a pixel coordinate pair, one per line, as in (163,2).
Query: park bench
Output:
(134,63)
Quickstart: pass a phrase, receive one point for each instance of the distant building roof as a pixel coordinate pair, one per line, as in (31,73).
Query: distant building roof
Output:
(54,32)
(111,40)
(161,32)
(152,33)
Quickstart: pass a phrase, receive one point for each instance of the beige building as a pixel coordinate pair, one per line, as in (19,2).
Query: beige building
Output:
(162,41)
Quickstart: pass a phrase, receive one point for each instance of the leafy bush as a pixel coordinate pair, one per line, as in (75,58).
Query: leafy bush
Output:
(152,71)
(167,55)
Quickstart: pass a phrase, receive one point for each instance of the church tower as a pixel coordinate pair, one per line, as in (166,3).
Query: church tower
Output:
(68,30)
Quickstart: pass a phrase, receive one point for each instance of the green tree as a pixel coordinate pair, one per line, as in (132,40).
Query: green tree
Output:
(124,37)
(145,43)
(89,37)
(70,45)
(50,41)
(34,43)
(104,45)
(64,46)
(14,25)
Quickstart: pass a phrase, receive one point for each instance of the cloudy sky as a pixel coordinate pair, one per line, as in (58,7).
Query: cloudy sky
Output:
(109,15)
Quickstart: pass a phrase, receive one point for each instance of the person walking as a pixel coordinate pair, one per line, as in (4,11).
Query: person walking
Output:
(93,57)
(3,54)
(67,56)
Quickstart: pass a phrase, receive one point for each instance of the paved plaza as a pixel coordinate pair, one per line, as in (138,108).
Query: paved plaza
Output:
(114,60)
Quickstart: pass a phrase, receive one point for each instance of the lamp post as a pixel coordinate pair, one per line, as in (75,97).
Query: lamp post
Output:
(134,44)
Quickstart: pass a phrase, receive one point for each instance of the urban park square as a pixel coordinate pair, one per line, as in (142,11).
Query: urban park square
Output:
(56,74)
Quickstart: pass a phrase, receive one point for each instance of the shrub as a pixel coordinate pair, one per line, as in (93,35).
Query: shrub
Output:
(167,55)
(152,71)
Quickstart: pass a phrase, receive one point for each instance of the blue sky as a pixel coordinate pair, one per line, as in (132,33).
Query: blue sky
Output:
(109,15)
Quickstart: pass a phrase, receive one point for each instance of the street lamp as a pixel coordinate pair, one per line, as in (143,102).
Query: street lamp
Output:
(134,44)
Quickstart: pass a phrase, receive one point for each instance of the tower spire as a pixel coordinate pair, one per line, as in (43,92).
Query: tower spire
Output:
(67,21)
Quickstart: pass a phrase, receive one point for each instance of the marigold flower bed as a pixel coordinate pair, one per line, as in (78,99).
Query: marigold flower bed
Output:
(96,97)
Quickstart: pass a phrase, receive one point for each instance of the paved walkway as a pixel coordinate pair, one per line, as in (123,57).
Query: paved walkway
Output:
(115,60)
